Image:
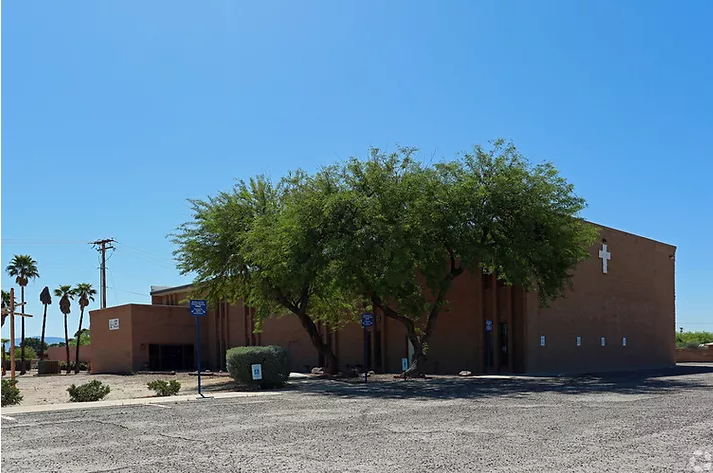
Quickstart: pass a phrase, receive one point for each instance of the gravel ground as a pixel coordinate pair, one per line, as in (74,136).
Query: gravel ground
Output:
(628,422)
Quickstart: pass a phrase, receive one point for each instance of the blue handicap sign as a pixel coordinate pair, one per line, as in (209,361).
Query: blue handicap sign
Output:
(367,320)
(199,308)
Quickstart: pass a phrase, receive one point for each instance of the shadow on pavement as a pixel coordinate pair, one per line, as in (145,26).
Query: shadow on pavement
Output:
(640,382)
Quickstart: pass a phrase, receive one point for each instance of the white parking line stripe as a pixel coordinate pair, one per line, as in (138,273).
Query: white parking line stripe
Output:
(9,418)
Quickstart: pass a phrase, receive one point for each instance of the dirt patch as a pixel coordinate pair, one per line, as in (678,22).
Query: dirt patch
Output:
(40,390)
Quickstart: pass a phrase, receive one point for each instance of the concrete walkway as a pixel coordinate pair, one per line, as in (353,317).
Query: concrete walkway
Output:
(9,411)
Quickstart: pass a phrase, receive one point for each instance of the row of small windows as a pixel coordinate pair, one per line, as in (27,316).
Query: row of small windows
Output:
(603,341)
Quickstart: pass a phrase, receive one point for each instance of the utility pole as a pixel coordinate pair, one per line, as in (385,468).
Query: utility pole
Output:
(101,246)
(10,311)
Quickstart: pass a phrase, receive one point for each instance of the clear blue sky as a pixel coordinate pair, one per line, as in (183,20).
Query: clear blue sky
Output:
(115,112)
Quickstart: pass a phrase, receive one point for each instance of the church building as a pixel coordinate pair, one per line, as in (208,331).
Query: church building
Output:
(619,314)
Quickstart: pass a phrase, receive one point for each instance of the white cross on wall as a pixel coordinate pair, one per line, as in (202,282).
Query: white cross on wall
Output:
(605,256)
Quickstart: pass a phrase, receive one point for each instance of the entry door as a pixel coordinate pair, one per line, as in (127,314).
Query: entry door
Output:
(503,347)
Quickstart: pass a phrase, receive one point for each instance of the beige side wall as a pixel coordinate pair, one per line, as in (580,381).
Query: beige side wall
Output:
(111,349)
(160,324)
(287,332)
(635,299)
(455,343)
(60,353)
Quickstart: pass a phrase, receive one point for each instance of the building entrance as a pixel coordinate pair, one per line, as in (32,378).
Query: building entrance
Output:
(171,357)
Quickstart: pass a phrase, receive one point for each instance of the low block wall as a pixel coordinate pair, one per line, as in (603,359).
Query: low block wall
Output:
(694,354)
(60,353)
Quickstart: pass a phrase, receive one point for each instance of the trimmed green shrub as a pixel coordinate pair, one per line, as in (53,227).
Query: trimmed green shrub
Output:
(275,363)
(10,393)
(83,366)
(165,388)
(88,392)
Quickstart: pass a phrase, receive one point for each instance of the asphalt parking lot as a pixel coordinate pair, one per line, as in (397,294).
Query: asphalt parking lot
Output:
(654,421)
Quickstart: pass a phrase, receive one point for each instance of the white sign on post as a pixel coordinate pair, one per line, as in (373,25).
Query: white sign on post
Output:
(257,372)
(113,324)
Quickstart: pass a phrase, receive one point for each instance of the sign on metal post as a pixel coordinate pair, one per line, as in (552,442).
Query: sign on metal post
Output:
(488,325)
(367,320)
(198,308)
(404,364)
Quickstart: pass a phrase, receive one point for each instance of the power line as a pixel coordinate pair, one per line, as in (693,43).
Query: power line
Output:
(130,292)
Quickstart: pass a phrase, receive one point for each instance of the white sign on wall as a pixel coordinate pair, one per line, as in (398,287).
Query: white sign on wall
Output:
(604,341)
(113,324)
(257,372)
(579,341)
(623,342)
(542,341)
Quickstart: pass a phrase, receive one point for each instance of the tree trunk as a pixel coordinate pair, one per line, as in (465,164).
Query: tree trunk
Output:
(79,336)
(66,341)
(22,332)
(330,359)
(42,340)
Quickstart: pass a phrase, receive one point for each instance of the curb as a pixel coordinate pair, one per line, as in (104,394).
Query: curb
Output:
(130,402)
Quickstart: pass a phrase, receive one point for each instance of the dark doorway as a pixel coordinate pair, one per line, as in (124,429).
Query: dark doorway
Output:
(377,350)
(504,355)
(171,357)
(488,355)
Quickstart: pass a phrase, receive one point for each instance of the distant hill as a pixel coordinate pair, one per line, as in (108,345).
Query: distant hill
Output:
(48,340)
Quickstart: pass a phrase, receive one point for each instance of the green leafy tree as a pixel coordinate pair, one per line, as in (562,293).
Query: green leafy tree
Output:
(265,244)
(45,299)
(84,338)
(402,232)
(684,339)
(5,305)
(85,294)
(66,295)
(23,268)
(37,346)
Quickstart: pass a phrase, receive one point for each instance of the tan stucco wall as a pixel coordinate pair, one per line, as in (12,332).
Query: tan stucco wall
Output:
(60,353)
(111,349)
(635,299)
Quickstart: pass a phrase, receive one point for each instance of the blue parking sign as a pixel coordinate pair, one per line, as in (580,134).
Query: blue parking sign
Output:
(367,320)
(199,308)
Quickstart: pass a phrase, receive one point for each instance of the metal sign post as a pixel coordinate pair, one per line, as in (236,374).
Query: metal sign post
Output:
(199,308)
(367,320)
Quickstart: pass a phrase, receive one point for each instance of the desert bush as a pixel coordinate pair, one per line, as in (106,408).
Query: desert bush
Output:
(691,345)
(275,363)
(10,393)
(83,366)
(92,391)
(165,388)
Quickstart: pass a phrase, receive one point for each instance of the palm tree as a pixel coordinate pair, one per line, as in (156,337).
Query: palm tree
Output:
(65,306)
(46,299)
(24,268)
(4,340)
(5,303)
(85,292)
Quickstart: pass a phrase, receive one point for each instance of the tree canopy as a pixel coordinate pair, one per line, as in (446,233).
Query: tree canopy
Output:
(265,244)
(386,231)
